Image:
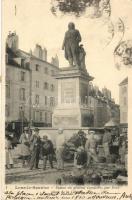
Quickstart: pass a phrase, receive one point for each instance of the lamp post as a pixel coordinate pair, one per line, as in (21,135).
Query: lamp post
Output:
(22,118)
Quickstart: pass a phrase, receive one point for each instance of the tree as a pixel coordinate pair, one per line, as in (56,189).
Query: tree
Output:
(72,6)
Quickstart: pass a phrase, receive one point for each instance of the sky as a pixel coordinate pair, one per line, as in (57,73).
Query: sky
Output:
(34,23)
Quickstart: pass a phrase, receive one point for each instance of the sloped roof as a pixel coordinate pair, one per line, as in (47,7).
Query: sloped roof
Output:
(124,82)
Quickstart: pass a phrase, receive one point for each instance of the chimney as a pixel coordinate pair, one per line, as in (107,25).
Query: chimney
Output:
(38,51)
(55,61)
(44,54)
(12,41)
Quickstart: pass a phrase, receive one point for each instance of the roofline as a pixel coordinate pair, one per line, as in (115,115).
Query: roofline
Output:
(124,82)
(34,57)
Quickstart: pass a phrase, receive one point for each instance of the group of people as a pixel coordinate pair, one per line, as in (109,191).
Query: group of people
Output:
(87,150)
(32,148)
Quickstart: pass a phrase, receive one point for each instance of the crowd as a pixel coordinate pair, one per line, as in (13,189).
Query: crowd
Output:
(32,148)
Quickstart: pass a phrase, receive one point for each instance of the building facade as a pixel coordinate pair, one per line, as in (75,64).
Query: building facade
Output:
(123,100)
(102,106)
(31,88)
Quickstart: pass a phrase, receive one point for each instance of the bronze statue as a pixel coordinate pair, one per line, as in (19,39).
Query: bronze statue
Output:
(71,45)
(82,55)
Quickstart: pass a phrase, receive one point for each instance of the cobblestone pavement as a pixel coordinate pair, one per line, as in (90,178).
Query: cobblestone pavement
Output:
(19,175)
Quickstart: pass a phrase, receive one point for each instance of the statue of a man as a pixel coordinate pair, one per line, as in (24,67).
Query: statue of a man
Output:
(71,45)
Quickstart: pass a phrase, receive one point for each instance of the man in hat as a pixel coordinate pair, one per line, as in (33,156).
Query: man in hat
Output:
(47,151)
(60,141)
(91,147)
(107,139)
(79,142)
(35,149)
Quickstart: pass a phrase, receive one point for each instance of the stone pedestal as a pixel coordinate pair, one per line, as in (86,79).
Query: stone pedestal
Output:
(73,89)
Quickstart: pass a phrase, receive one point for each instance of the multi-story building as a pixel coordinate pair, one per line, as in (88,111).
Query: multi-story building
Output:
(123,101)
(102,106)
(31,88)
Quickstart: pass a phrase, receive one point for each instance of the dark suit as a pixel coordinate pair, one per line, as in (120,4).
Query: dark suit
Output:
(35,151)
(47,151)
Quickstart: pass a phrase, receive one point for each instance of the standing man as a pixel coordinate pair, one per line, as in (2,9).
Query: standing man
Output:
(35,149)
(60,140)
(71,45)
(91,148)
(47,151)
(107,138)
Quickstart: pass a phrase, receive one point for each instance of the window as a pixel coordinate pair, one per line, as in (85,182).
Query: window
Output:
(22,62)
(37,84)
(51,101)
(22,76)
(37,67)
(34,115)
(41,116)
(46,117)
(21,112)
(52,87)
(22,94)
(27,65)
(7,111)
(37,116)
(46,70)
(46,100)
(46,85)
(37,99)
(52,72)
(8,90)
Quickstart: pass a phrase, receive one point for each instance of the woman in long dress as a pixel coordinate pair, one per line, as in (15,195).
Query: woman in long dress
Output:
(8,151)
(25,146)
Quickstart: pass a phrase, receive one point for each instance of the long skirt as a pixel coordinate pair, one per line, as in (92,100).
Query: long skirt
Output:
(22,150)
(9,157)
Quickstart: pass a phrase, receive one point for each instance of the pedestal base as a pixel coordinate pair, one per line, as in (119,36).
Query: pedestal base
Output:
(72,118)
(73,109)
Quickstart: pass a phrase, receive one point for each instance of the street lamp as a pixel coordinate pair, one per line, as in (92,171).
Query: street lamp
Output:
(22,117)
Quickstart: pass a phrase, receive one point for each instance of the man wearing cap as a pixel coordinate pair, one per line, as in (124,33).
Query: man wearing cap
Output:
(90,147)
(79,142)
(35,149)
(107,138)
(47,151)
(60,140)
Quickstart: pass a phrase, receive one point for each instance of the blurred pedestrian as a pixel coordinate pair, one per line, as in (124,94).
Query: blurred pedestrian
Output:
(81,156)
(79,141)
(60,141)
(47,151)
(35,144)
(8,151)
(107,139)
(25,152)
(91,148)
